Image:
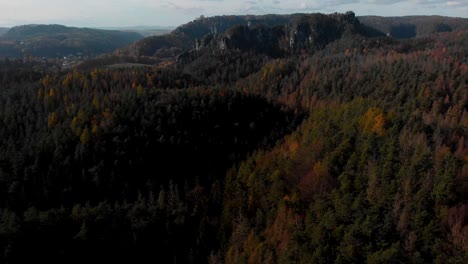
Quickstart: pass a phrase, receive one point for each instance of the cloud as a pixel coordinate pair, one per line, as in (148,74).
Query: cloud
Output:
(418,2)
(186,9)
(454,3)
(384,2)
(341,2)
(175,12)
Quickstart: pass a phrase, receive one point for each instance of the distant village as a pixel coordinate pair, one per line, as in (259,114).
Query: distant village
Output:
(72,59)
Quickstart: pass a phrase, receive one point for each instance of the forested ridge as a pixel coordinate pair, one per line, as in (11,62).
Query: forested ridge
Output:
(57,41)
(343,147)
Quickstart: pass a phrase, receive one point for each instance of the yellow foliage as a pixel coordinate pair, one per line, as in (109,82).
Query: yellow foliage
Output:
(81,115)
(257,255)
(51,92)
(253,249)
(74,123)
(95,129)
(139,89)
(232,256)
(264,75)
(40,93)
(85,136)
(51,119)
(95,103)
(95,75)
(68,80)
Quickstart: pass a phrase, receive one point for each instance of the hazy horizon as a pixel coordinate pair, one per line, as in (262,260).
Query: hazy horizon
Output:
(144,13)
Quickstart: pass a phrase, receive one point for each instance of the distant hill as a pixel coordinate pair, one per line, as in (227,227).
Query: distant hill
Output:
(305,32)
(183,37)
(145,31)
(257,32)
(3,30)
(57,41)
(414,26)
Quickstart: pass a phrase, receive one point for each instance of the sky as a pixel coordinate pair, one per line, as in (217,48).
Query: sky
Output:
(120,13)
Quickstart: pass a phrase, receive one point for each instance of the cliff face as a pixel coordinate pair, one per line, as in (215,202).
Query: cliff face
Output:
(184,37)
(260,39)
(270,34)
(276,34)
(305,33)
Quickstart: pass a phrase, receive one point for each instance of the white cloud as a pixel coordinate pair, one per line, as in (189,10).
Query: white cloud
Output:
(174,12)
(454,3)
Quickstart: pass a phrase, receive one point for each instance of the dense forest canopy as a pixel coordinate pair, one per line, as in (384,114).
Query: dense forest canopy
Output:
(307,138)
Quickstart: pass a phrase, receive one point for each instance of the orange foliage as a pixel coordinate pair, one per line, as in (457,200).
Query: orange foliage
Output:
(464,69)
(373,121)
(278,233)
(379,123)
(457,220)
(51,92)
(441,153)
(46,81)
(348,52)
(107,113)
(252,248)
(293,146)
(315,181)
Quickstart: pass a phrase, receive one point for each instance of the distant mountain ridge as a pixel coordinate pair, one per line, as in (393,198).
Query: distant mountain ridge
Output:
(414,26)
(183,37)
(306,32)
(258,31)
(58,40)
(200,32)
(146,31)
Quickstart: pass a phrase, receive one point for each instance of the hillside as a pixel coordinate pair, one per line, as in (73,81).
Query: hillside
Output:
(315,141)
(307,33)
(3,30)
(58,41)
(414,26)
(145,31)
(183,38)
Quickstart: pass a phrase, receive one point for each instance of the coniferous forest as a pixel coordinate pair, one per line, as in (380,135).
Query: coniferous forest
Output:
(307,138)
